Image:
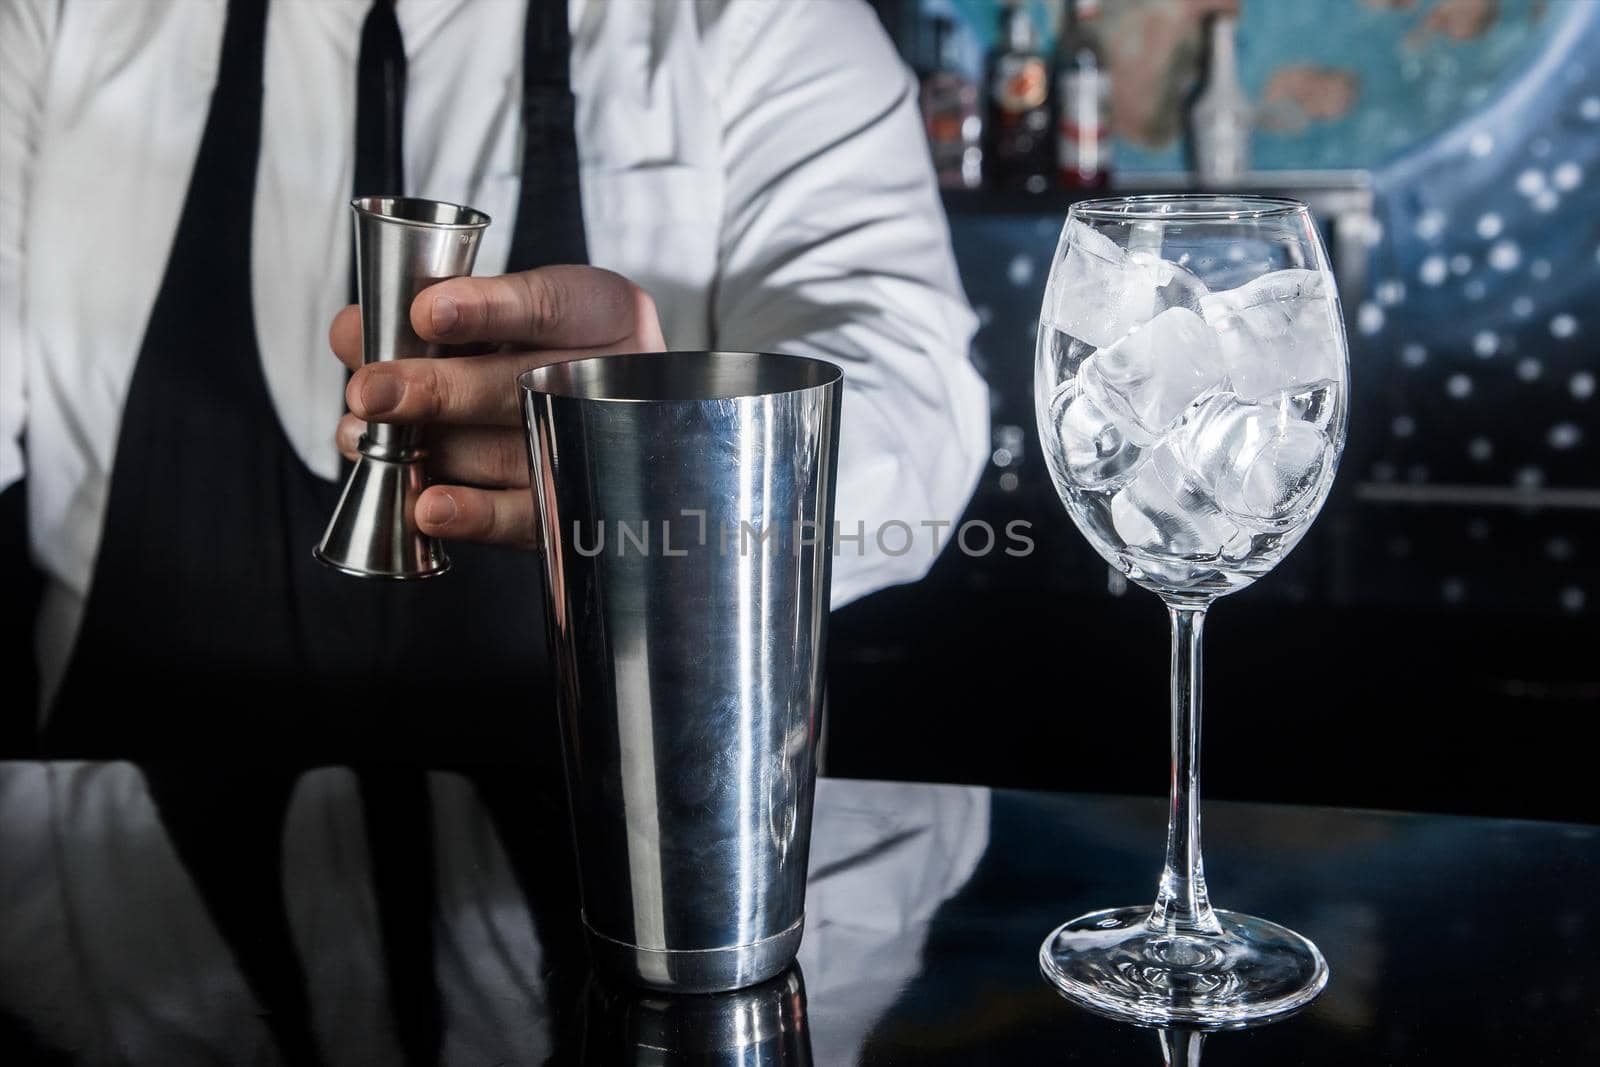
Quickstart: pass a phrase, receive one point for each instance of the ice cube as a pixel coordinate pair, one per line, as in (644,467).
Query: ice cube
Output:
(1180,289)
(1165,512)
(1257,461)
(1092,451)
(1315,403)
(1099,291)
(1145,381)
(1059,356)
(1277,332)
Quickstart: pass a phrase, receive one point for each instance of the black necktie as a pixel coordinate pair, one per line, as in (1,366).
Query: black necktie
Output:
(380,104)
(380,108)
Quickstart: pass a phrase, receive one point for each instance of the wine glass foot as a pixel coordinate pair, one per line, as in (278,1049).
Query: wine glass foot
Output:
(1113,963)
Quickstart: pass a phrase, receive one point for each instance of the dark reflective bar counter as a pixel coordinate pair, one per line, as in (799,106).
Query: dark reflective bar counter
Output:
(240,914)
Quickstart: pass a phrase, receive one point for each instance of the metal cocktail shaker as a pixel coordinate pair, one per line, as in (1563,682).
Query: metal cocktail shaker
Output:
(686,508)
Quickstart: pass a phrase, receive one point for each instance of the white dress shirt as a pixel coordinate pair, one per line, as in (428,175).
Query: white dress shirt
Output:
(758,166)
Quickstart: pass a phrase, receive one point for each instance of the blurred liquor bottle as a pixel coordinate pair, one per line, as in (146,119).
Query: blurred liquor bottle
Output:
(1019,155)
(1083,98)
(952,113)
(1220,113)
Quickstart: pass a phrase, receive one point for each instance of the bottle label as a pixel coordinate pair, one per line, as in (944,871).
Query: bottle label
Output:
(1021,83)
(1083,144)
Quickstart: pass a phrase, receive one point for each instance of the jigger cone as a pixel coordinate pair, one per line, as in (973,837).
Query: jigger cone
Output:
(403,245)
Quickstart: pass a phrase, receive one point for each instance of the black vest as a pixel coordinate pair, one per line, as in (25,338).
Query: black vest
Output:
(209,628)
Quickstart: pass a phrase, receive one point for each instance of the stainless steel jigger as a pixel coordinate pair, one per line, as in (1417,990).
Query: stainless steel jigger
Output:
(403,245)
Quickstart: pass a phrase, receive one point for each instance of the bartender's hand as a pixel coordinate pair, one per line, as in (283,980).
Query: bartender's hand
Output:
(477,458)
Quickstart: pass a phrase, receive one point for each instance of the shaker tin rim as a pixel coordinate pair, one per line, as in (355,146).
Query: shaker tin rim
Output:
(790,375)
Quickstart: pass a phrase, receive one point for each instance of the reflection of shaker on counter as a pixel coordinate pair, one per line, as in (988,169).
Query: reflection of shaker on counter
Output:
(765,1024)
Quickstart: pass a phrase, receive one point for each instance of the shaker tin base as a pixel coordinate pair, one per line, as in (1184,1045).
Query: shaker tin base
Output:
(712,970)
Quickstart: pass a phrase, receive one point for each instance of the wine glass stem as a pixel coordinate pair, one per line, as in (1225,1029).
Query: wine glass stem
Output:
(1181,904)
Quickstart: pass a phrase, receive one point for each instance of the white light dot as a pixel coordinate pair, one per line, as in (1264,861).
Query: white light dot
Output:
(1572,599)
(1505,255)
(1589,108)
(1522,307)
(1460,263)
(1489,226)
(1391,292)
(1529,369)
(1374,232)
(1485,343)
(1002,457)
(1458,386)
(1020,271)
(1558,549)
(1540,269)
(1530,478)
(1582,385)
(1434,271)
(1475,289)
(1369,319)
(1480,448)
(1454,590)
(1530,182)
(1564,435)
(1567,176)
(1403,426)
(1480,144)
(1236,253)
(1382,471)
(1563,326)
(1546,201)
(1430,225)
(985,314)
(1008,482)
(1413,355)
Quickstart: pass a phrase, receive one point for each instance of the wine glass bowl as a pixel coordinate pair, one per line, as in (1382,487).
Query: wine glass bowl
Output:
(1190,385)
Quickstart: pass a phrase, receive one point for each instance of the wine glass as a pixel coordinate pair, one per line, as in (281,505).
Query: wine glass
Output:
(1190,388)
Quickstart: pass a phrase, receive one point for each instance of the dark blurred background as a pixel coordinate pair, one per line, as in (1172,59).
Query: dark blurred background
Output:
(1434,643)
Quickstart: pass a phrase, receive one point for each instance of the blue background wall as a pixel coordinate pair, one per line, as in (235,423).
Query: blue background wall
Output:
(1475,342)
(1412,78)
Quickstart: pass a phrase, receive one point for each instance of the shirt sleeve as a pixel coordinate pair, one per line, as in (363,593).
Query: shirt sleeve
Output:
(834,244)
(26,29)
